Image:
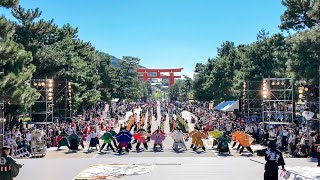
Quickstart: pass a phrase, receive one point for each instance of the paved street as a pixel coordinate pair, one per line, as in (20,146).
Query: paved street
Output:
(169,168)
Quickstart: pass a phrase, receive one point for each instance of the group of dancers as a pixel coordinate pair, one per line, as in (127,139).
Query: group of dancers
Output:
(124,139)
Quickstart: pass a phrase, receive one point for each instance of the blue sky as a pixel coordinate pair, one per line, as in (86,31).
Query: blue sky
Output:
(163,33)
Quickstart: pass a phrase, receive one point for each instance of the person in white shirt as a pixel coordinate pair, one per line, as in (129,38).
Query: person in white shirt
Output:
(12,143)
(28,136)
(93,140)
(69,130)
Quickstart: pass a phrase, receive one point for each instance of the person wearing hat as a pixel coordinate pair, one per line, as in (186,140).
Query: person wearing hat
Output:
(9,168)
(274,158)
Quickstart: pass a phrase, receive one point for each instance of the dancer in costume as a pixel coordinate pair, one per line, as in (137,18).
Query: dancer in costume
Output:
(197,137)
(63,139)
(178,138)
(245,141)
(193,140)
(223,143)
(235,137)
(93,140)
(107,137)
(74,141)
(141,138)
(158,137)
(124,139)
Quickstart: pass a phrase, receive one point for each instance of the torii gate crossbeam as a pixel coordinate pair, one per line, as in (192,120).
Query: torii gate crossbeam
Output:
(171,76)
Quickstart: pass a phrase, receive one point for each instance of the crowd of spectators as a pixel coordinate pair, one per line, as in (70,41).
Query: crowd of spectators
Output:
(19,135)
(296,138)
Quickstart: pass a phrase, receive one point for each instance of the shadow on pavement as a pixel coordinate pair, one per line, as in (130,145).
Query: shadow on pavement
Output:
(89,152)
(178,152)
(225,155)
(71,152)
(247,155)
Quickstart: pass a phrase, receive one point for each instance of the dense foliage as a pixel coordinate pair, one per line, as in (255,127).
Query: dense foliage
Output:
(181,90)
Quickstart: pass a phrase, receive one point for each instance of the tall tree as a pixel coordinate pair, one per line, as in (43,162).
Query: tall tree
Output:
(15,62)
(58,53)
(9,3)
(300,14)
(128,80)
(304,59)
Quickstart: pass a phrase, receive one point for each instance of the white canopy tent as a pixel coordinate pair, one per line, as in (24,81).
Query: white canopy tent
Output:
(227,106)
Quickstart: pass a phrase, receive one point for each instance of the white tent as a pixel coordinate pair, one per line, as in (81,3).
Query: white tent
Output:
(231,107)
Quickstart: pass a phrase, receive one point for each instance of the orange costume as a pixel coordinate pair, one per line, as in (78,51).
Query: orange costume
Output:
(191,134)
(235,135)
(197,137)
(130,122)
(246,140)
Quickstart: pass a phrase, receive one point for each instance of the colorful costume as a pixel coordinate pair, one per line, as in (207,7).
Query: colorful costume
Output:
(193,140)
(223,144)
(235,137)
(74,141)
(124,139)
(178,137)
(93,140)
(197,137)
(245,141)
(141,138)
(63,141)
(158,137)
(107,138)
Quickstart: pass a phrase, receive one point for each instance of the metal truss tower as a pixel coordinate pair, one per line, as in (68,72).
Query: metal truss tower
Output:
(251,99)
(42,110)
(278,103)
(63,99)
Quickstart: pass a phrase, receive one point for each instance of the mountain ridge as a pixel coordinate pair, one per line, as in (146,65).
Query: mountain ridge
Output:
(115,62)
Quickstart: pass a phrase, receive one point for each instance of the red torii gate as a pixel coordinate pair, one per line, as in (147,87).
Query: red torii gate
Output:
(171,77)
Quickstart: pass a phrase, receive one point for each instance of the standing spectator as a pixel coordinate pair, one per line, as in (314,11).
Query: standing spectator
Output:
(292,140)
